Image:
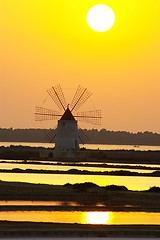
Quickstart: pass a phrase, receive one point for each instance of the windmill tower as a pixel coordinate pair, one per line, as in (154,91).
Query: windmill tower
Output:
(66,137)
(67,132)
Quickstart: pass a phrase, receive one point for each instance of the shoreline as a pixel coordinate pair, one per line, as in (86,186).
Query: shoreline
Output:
(77,208)
(82,172)
(87,195)
(93,164)
(83,155)
(33,229)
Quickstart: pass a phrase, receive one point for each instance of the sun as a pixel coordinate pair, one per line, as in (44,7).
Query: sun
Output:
(100,18)
(97,217)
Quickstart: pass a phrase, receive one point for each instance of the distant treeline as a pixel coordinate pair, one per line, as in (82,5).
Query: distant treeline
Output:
(102,136)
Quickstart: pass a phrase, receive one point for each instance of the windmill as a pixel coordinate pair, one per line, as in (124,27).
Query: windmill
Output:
(66,137)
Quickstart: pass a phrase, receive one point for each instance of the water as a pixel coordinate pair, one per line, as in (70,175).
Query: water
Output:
(82,217)
(36,203)
(87,146)
(132,183)
(10,166)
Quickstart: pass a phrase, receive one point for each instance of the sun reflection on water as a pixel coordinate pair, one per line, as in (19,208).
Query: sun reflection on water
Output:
(97,217)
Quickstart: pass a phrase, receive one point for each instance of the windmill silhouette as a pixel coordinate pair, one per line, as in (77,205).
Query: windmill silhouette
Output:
(66,137)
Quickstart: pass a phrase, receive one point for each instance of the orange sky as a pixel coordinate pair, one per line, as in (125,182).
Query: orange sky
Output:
(45,43)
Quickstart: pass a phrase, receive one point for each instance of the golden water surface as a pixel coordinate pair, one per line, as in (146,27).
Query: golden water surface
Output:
(82,217)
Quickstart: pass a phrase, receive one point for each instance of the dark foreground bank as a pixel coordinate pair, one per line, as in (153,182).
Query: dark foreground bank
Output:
(30,229)
(83,172)
(82,155)
(89,196)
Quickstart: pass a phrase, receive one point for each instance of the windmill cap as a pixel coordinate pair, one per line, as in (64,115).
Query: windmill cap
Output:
(68,115)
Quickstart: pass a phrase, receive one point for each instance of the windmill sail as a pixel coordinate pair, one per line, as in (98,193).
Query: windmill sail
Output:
(93,117)
(57,95)
(51,135)
(83,137)
(46,114)
(81,95)
(66,134)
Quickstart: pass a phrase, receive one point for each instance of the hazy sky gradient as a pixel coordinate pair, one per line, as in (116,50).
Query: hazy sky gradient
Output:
(45,43)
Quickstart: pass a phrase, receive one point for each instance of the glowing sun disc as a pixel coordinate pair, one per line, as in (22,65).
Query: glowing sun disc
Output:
(97,217)
(100,18)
